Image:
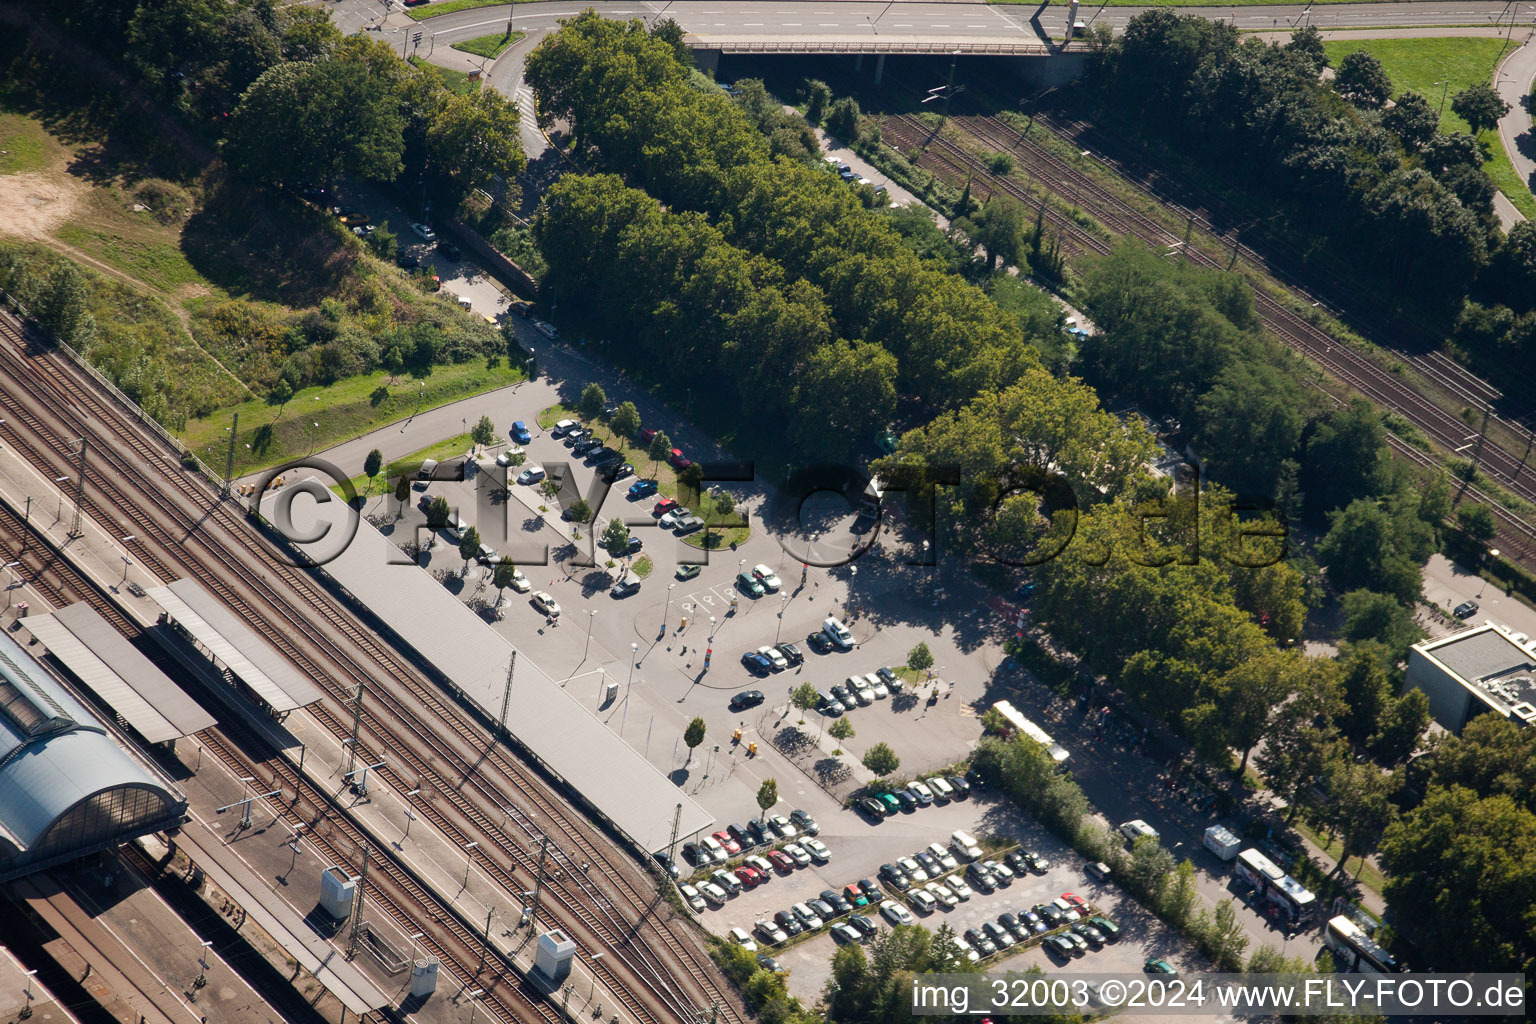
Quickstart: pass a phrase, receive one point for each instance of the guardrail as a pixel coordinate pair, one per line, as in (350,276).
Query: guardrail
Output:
(874,46)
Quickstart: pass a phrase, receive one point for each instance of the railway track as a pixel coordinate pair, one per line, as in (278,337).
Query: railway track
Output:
(1511,470)
(1517,537)
(425,741)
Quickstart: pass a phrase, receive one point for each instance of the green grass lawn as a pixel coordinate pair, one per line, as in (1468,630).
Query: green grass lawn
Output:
(21,144)
(160,264)
(456,81)
(384,483)
(492,46)
(1417,64)
(343,410)
(1368,877)
(450,6)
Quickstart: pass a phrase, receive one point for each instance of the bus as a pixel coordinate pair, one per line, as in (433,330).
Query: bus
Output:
(1353,950)
(1280,889)
(1020,723)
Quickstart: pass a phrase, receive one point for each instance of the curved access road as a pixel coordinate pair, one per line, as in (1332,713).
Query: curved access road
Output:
(1513,82)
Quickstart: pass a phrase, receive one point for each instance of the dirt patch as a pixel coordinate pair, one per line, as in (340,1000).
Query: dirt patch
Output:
(32,205)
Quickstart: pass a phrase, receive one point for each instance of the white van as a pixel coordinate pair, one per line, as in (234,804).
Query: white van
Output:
(563,426)
(428,467)
(465,302)
(455,528)
(965,845)
(838,634)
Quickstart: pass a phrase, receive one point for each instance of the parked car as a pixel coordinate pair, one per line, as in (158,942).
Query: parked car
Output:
(757,664)
(678,459)
(1020,930)
(742,939)
(424,233)
(895,877)
(940,892)
(762,864)
(979,941)
(961,787)
(783,861)
(1089,934)
(817,849)
(791,653)
(895,913)
(840,904)
(742,837)
(450,252)
(1106,927)
(688,572)
(1034,921)
(616,471)
(1134,830)
(767,577)
(585,445)
(1157,965)
(923,900)
(531,475)
(1002,874)
(782,825)
(864,924)
(789,921)
(712,893)
(692,898)
(750,877)
(768,963)
(1098,871)
(1001,937)
(543,602)
(807,917)
(1059,946)
(921,793)
(819,643)
(1076,902)
(771,934)
(520,432)
(777,660)
(804,822)
(1466,609)
(871,808)
(844,933)
(797,853)
(689,524)
(912,869)
(871,890)
(641,489)
(944,855)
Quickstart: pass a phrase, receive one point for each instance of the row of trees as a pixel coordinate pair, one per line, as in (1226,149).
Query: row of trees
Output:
(839,269)
(1388,194)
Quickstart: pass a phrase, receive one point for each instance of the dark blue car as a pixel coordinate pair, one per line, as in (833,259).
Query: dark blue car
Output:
(520,432)
(641,489)
(756,663)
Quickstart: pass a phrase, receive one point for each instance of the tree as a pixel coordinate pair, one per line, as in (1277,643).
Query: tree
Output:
(503,576)
(66,309)
(1302,738)
(999,228)
(920,657)
(1412,120)
(438,512)
(1477,522)
(1359,807)
(1372,616)
(403,491)
(317,121)
(1461,864)
(383,243)
(1402,723)
(593,401)
(1225,940)
(843,119)
(371,466)
(473,138)
(692,737)
(616,536)
(1182,894)
(846,391)
(1249,693)
(841,729)
(469,546)
(767,795)
(625,420)
(805,697)
(580,511)
(484,431)
(670,32)
(660,450)
(1360,550)
(1150,870)
(1361,80)
(881,760)
(1307,43)
(818,95)
(1479,106)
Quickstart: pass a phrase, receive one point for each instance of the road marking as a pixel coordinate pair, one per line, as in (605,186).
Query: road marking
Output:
(827,24)
(790,24)
(939,25)
(751,24)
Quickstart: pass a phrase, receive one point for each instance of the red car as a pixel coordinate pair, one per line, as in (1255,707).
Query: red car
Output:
(1077,903)
(751,877)
(728,841)
(647,434)
(664,506)
(782,861)
(679,460)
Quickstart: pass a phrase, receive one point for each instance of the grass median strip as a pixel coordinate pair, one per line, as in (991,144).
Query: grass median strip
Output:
(492,46)
(453,6)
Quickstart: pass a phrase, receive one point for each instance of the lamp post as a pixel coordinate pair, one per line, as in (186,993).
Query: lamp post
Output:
(592,976)
(29,985)
(783,602)
(1445,87)
(591,616)
(711,629)
(668,611)
(202,964)
(10,568)
(634,652)
(469,859)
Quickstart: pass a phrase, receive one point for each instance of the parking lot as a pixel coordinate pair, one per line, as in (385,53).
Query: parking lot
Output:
(888,603)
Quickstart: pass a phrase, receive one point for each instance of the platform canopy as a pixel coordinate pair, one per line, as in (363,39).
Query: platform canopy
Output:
(546,719)
(113,669)
(270,675)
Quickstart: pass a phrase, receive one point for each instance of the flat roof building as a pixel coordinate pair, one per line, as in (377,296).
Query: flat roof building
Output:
(1473,672)
(67,789)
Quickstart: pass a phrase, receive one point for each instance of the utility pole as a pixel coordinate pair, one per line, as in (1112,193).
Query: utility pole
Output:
(357,721)
(538,885)
(677,823)
(506,695)
(357,909)
(74,526)
(229,459)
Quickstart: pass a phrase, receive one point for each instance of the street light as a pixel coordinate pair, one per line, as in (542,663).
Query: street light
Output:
(591,615)
(783,602)
(10,568)
(1444,88)
(634,652)
(711,629)
(668,612)
(592,977)
(469,858)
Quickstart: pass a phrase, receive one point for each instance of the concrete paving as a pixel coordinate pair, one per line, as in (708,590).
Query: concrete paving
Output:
(1447,585)
(17,990)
